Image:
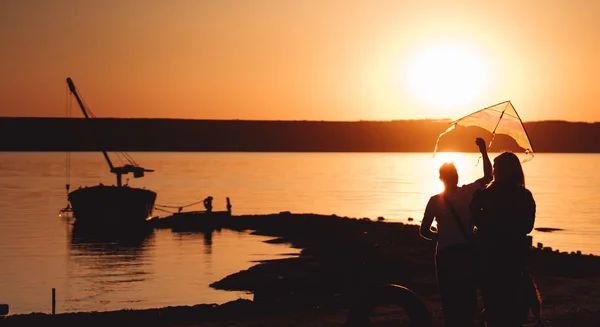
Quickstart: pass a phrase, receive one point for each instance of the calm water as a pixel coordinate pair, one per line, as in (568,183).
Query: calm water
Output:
(39,252)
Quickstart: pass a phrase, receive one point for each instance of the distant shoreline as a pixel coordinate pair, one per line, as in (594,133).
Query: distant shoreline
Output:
(180,135)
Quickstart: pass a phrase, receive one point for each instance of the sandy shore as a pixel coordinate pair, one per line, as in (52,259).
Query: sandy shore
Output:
(341,258)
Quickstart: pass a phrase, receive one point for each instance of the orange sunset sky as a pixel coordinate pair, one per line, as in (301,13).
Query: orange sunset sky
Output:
(301,60)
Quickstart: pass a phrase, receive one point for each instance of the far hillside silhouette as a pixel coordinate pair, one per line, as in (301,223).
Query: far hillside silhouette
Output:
(112,134)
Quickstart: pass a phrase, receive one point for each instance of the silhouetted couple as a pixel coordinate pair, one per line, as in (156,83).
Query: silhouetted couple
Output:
(503,213)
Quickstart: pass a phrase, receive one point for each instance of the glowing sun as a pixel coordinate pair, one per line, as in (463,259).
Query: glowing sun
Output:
(448,75)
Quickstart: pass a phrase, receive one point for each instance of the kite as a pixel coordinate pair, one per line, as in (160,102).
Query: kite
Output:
(501,118)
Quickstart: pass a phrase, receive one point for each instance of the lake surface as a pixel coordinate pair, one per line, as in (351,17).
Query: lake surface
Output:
(38,250)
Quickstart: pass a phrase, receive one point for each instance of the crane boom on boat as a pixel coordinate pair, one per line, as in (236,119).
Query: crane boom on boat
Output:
(119,171)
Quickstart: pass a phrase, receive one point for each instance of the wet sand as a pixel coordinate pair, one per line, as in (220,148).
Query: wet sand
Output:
(341,260)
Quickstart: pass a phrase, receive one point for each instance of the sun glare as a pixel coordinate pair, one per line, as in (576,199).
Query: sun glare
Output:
(468,165)
(447,75)
(443,157)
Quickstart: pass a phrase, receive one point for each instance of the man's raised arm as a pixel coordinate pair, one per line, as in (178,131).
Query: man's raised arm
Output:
(487,164)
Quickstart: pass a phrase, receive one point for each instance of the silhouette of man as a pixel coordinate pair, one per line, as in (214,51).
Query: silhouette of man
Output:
(455,276)
(208,204)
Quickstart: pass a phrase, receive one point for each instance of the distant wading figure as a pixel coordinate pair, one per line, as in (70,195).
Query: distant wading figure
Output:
(228,206)
(504,214)
(454,266)
(208,204)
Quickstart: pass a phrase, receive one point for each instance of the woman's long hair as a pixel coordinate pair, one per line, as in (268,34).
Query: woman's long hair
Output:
(508,170)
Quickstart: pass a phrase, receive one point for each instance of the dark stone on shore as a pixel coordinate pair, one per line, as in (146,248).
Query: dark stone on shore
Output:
(547,229)
(279,240)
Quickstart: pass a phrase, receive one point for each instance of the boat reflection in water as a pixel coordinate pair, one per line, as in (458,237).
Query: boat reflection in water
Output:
(109,249)
(96,238)
(107,268)
(206,236)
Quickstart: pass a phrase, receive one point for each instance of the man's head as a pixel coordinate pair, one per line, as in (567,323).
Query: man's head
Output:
(448,174)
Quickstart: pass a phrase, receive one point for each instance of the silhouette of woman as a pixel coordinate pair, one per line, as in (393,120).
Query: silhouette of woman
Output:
(504,214)
(454,266)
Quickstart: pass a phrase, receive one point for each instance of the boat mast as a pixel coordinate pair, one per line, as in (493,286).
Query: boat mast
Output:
(84,110)
(119,171)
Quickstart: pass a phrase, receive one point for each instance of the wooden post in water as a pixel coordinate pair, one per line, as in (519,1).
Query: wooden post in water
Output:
(53,301)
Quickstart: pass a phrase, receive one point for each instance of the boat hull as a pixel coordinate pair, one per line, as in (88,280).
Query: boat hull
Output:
(111,205)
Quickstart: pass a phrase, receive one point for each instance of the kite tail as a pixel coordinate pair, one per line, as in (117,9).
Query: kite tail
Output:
(439,137)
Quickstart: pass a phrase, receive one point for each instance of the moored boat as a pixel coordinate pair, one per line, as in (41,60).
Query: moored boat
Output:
(118,204)
(111,204)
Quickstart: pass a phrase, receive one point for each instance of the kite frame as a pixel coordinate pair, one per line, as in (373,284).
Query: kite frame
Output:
(454,123)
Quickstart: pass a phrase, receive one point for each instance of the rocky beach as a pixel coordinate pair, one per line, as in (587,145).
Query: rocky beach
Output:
(345,261)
